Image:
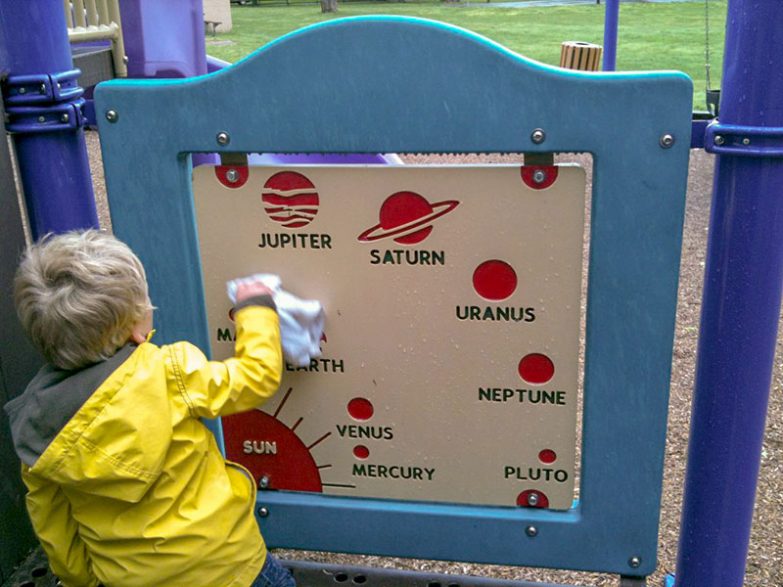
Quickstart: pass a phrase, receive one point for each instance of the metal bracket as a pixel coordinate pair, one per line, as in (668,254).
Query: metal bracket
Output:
(743,141)
(21,90)
(38,103)
(38,119)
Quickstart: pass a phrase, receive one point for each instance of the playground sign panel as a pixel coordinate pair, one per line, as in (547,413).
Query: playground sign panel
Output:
(449,366)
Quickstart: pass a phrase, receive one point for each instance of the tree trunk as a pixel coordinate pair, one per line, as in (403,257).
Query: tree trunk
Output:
(328,5)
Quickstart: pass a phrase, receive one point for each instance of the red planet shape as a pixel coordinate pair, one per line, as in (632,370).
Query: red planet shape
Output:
(290,199)
(268,448)
(536,368)
(360,408)
(406,217)
(495,280)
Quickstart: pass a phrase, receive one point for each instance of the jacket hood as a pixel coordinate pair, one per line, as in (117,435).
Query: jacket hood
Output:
(93,429)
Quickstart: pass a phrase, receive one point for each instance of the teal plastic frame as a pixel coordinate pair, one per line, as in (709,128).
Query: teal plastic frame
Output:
(396,85)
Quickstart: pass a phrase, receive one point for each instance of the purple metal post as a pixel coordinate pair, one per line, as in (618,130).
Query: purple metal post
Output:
(48,134)
(742,294)
(611,20)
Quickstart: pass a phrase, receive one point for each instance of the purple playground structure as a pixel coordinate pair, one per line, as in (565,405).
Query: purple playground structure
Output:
(46,115)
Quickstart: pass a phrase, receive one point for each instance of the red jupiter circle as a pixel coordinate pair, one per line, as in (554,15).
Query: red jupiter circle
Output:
(495,280)
(290,199)
(536,368)
(406,218)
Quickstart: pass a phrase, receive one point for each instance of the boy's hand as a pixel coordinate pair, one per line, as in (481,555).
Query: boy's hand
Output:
(251,289)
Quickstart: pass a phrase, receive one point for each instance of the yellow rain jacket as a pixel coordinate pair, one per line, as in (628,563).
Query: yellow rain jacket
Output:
(126,486)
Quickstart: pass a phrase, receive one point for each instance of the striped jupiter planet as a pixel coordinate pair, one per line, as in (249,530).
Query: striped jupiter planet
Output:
(290,199)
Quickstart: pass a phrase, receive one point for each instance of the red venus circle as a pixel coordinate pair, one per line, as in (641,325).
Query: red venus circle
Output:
(360,408)
(495,280)
(536,368)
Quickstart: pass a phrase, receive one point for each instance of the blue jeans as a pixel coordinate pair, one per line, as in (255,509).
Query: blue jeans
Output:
(273,574)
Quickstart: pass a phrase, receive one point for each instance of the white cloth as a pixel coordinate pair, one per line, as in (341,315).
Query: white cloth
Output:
(301,321)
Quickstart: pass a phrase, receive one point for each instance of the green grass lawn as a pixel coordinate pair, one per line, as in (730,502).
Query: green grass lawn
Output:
(651,36)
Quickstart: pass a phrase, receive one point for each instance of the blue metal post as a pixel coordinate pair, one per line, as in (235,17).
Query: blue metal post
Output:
(43,102)
(742,294)
(611,20)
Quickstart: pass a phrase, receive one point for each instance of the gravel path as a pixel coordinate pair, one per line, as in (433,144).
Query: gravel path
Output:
(766,549)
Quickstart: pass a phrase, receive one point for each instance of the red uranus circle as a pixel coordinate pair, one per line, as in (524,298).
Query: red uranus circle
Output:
(495,280)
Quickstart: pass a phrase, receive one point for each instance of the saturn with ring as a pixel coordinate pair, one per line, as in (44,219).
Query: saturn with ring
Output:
(406,217)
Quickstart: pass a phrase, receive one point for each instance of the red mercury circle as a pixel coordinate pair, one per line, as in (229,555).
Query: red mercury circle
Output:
(495,280)
(536,368)
(547,456)
(361,452)
(402,208)
(360,408)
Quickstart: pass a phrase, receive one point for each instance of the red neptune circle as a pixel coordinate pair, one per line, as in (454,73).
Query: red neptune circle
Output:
(547,456)
(360,408)
(361,451)
(495,280)
(536,368)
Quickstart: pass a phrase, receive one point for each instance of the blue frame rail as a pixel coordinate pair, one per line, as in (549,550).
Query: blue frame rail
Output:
(396,85)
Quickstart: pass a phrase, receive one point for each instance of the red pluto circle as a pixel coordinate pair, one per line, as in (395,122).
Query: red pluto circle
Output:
(547,456)
(495,280)
(536,368)
(290,199)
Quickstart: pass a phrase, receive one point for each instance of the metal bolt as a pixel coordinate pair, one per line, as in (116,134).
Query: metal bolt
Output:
(746,141)
(22,90)
(42,88)
(223,138)
(539,176)
(719,140)
(666,141)
(263,511)
(538,136)
(634,562)
(263,483)
(532,499)
(112,116)
(65,117)
(232,175)
(531,531)
(41,119)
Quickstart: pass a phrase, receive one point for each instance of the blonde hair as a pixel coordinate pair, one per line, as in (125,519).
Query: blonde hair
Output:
(79,295)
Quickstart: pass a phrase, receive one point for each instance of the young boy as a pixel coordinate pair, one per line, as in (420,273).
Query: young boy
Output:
(126,486)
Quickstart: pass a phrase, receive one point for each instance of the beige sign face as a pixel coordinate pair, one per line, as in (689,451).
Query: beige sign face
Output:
(452,299)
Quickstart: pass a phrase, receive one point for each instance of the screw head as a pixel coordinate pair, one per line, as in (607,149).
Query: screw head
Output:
(42,88)
(263,483)
(41,119)
(719,140)
(539,176)
(532,499)
(531,531)
(538,136)
(223,138)
(746,141)
(22,90)
(634,562)
(263,511)
(666,141)
(112,116)
(65,117)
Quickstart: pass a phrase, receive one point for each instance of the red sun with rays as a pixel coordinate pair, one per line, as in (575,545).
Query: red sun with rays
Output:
(290,199)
